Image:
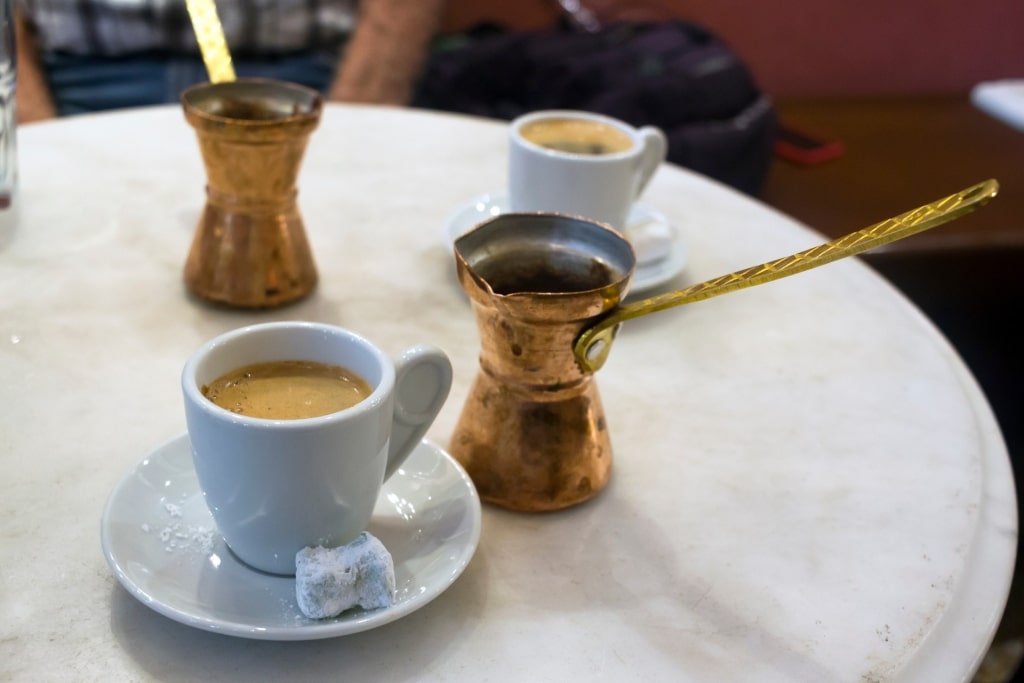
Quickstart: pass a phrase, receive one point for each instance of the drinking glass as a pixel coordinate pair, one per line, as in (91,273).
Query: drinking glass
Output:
(8,120)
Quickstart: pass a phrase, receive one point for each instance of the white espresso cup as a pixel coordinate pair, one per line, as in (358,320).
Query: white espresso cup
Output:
(276,486)
(582,164)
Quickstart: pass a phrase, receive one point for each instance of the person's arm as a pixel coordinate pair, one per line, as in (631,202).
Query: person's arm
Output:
(387,51)
(32,95)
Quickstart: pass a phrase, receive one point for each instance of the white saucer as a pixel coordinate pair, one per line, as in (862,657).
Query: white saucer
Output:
(162,545)
(646,276)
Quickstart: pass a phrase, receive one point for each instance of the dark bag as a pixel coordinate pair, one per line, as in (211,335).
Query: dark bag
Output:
(674,75)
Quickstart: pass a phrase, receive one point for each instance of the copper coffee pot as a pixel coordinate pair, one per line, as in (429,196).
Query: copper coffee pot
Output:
(532,434)
(250,248)
(546,291)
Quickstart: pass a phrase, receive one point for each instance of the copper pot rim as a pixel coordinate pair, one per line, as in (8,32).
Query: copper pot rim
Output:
(268,87)
(615,288)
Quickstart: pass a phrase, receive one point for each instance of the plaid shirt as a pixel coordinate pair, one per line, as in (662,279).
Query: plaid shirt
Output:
(252,27)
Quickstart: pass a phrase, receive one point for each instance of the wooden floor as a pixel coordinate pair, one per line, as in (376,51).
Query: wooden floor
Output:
(898,154)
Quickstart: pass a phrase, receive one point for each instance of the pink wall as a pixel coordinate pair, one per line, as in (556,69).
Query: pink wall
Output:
(827,47)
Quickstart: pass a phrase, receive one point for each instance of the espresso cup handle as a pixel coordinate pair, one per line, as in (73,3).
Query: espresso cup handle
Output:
(655,151)
(423,377)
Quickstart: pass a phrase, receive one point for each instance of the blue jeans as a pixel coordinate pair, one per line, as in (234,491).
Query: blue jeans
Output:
(88,84)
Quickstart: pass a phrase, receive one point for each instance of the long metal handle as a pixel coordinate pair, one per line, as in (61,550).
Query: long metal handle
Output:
(594,343)
(210,36)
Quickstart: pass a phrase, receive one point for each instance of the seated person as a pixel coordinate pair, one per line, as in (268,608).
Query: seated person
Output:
(77,56)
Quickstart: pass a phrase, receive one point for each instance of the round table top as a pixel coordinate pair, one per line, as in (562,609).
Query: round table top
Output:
(808,484)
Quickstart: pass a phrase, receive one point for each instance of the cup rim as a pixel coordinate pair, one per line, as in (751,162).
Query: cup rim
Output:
(618,124)
(193,394)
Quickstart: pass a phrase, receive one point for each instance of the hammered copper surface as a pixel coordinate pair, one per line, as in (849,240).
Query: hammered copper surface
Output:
(250,248)
(532,434)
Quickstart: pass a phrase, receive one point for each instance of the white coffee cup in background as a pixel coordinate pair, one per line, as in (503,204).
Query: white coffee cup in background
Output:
(275,486)
(580,163)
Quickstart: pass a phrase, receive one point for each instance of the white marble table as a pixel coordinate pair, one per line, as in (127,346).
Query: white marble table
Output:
(808,484)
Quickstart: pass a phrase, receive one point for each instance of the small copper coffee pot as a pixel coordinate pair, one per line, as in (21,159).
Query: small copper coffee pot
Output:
(532,434)
(250,248)
(546,290)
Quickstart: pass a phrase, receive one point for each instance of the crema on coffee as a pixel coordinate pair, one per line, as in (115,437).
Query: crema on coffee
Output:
(287,390)
(577,136)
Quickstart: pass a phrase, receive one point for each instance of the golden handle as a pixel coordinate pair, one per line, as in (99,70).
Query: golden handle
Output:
(594,343)
(210,36)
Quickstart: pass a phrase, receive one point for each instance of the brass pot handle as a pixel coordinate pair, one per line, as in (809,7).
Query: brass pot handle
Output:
(210,36)
(594,343)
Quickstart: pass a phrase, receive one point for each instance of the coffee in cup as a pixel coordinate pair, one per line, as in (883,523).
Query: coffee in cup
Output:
(577,136)
(276,484)
(581,164)
(287,389)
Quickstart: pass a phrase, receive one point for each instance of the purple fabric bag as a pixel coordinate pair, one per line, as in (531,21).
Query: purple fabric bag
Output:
(674,75)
